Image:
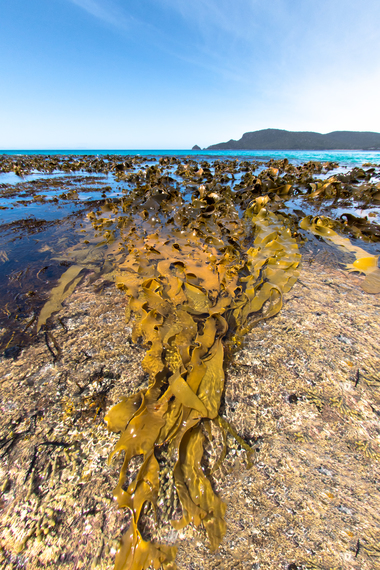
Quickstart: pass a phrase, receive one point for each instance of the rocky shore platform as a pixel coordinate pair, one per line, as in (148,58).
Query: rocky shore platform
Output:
(304,391)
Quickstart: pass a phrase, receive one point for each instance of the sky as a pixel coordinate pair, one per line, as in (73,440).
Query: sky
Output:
(168,74)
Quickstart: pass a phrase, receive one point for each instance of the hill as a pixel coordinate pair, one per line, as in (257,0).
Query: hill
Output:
(278,139)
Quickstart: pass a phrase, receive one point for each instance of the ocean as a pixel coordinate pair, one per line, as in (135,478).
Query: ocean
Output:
(343,157)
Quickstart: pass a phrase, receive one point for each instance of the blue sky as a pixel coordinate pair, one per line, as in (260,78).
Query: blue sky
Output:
(146,74)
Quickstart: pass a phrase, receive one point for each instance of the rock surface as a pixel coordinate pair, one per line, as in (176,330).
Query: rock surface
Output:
(304,392)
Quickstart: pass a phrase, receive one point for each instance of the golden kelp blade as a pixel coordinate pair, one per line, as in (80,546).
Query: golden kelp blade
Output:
(184,287)
(120,415)
(199,487)
(272,264)
(369,266)
(136,554)
(66,285)
(95,257)
(364,263)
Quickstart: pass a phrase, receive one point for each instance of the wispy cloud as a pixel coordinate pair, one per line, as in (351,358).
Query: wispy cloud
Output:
(106,11)
(242,20)
(197,50)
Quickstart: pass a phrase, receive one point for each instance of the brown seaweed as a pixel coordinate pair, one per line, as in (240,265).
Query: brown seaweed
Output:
(198,276)
(189,290)
(364,263)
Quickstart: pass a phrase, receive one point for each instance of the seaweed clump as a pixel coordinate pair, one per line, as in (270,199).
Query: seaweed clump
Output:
(194,289)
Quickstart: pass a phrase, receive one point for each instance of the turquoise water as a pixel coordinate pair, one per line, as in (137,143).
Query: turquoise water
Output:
(344,157)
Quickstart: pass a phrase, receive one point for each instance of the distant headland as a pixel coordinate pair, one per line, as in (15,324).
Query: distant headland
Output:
(279,139)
